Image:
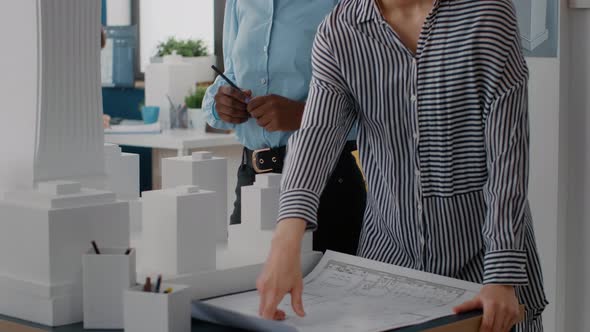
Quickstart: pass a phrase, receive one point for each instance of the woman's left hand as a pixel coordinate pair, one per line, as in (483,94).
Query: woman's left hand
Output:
(501,310)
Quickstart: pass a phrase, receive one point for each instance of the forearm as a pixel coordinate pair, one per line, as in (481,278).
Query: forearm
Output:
(505,192)
(313,152)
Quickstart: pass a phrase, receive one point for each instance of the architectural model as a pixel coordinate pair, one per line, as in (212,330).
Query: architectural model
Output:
(204,170)
(43,235)
(177,231)
(252,238)
(61,187)
(51,85)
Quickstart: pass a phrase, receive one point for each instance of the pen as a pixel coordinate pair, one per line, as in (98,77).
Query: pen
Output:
(233,85)
(168,291)
(147,287)
(96,251)
(158,283)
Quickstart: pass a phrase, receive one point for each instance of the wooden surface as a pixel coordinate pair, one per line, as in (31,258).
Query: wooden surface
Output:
(6,326)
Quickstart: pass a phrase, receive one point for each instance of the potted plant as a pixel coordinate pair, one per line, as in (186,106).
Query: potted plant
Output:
(191,51)
(194,103)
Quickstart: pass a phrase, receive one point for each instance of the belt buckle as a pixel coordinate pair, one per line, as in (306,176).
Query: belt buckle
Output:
(256,161)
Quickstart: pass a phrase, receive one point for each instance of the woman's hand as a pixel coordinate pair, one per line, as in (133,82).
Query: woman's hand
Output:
(231,104)
(282,271)
(501,309)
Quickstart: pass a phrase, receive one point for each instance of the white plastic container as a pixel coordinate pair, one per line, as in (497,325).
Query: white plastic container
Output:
(158,312)
(105,278)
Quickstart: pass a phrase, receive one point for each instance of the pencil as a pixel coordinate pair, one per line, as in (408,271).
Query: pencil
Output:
(232,84)
(147,287)
(158,283)
(96,251)
(220,73)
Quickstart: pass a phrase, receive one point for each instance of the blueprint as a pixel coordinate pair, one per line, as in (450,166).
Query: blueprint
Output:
(348,293)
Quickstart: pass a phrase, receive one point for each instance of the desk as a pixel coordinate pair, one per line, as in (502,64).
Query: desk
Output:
(181,142)
(196,326)
(434,326)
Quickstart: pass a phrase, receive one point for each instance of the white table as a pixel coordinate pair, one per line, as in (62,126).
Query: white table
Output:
(181,140)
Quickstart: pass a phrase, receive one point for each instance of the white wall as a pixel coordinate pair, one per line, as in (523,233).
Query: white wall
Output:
(578,229)
(543,183)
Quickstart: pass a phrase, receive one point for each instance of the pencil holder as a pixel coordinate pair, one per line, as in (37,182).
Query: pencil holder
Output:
(105,278)
(158,312)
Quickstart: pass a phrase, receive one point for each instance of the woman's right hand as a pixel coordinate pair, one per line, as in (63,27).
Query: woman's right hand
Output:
(282,271)
(231,104)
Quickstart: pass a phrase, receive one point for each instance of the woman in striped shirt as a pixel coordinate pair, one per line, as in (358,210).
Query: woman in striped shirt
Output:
(439,90)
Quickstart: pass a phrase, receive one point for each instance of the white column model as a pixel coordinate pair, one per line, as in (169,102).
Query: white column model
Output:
(51,91)
(43,235)
(204,170)
(532,22)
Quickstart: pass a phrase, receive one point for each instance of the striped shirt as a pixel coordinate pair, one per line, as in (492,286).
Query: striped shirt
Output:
(443,140)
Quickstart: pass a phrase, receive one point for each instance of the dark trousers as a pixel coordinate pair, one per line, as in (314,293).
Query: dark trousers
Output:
(341,210)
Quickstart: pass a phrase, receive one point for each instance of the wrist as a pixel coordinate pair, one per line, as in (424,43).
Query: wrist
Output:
(289,233)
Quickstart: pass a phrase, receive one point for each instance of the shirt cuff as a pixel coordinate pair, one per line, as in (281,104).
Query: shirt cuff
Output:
(214,113)
(301,204)
(505,267)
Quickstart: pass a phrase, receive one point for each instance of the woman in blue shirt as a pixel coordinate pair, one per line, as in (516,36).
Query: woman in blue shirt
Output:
(267,50)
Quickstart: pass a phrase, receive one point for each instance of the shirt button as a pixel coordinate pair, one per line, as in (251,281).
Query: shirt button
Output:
(415,135)
(263,81)
(265,48)
(417,172)
(414,98)
(419,207)
(414,62)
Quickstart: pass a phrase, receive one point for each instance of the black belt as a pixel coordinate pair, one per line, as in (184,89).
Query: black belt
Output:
(271,160)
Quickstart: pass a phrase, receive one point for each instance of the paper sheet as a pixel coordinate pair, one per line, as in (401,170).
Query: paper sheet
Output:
(134,128)
(348,293)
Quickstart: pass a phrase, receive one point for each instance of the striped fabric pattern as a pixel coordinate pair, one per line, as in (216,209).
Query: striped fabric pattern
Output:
(443,141)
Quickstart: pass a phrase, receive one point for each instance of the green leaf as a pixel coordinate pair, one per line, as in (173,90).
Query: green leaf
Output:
(195,99)
(185,48)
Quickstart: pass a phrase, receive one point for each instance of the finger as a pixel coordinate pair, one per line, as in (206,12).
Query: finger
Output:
(470,305)
(233,93)
(280,315)
(511,318)
(271,304)
(272,126)
(257,102)
(262,303)
(264,121)
(296,299)
(487,323)
(227,102)
(260,111)
(230,119)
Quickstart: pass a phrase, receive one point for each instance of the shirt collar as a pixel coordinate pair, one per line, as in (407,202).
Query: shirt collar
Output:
(368,10)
